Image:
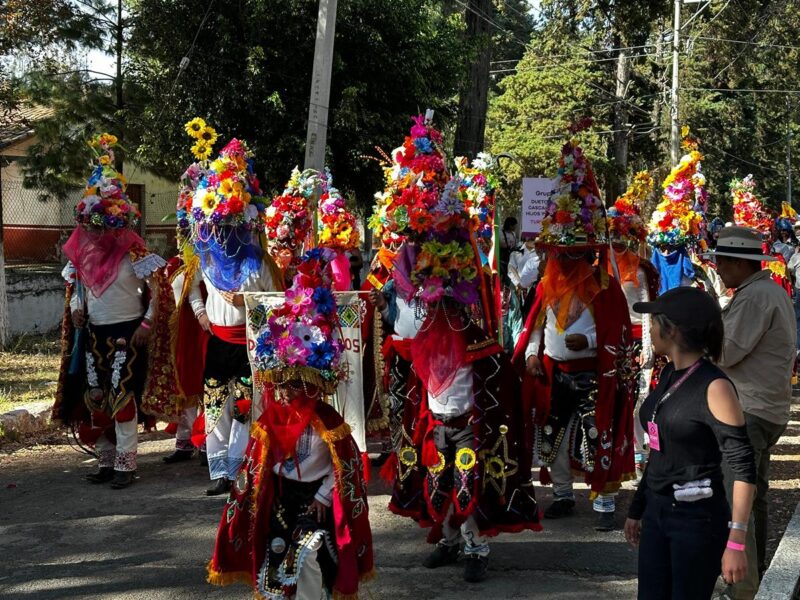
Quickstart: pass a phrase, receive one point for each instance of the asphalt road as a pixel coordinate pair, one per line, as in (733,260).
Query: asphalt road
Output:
(64,538)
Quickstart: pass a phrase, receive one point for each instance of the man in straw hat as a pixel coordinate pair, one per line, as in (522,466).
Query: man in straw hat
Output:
(758,355)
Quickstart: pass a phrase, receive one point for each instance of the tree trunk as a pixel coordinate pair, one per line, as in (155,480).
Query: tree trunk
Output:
(618,183)
(474,99)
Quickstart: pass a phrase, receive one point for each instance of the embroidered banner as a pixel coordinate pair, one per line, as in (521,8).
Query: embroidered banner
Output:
(349,397)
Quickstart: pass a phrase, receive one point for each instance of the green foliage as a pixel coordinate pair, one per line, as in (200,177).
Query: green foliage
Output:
(752,46)
(250,76)
(528,119)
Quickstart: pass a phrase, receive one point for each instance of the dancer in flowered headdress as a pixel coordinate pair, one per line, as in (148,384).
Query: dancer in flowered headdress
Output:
(119,304)
(415,175)
(288,220)
(296,524)
(458,463)
(748,211)
(223,214)
(677,228)
(639,281)
(577,350)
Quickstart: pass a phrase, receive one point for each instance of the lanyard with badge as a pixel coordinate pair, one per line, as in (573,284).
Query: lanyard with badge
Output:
(652,427)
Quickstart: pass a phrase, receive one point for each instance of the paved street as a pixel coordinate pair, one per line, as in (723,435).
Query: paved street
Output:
(63,538)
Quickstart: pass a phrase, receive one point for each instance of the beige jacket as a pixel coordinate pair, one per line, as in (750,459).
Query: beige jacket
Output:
(759,349)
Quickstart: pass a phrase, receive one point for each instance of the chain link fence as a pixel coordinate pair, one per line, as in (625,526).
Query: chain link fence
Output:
(36,224)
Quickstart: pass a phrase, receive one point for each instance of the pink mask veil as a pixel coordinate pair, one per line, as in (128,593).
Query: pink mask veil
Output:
(96,255)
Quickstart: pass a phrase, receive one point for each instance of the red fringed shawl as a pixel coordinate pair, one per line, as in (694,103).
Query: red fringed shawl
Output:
(243,532)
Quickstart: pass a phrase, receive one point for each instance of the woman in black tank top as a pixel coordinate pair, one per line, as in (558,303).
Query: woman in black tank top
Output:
(680,517)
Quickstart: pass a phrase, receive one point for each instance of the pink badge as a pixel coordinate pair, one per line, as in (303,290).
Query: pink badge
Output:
(652,433)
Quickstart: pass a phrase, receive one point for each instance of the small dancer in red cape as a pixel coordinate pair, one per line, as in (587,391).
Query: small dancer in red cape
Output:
(297,520)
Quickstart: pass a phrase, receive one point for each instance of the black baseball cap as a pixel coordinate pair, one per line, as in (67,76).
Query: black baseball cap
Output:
(684,306)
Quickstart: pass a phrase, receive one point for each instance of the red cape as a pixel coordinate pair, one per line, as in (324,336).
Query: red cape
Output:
(189,340)
(616,383)
(502,496)
(243,532)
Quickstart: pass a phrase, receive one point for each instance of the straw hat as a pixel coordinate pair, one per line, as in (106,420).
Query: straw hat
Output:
(740,242)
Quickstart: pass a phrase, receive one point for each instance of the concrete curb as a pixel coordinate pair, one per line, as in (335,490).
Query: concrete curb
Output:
(21,422)
(782,579)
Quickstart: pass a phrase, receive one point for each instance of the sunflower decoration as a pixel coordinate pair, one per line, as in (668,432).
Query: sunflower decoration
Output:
(195,127)
(219,193)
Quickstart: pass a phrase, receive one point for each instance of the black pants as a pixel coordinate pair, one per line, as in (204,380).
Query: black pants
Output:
(681,546)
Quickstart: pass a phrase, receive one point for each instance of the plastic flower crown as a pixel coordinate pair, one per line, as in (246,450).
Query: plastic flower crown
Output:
(295,339)
(625,223)
(478,191)
(104,204)
(747,208)
(575,214)
(679,219)
(288,218)
(222,193)
(336,226)
(415,177)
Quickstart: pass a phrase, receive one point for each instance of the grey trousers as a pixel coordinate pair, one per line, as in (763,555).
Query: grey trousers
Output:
(763,436)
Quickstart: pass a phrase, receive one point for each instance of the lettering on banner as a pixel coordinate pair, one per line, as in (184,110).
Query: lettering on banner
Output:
(535,193)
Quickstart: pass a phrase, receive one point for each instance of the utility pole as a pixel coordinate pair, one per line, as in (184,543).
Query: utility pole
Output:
(317,132)
(789,168)
(673,111)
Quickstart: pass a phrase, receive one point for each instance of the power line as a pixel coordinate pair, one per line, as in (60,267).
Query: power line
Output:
(757,44)
(741,91)
(590,51)
(558,65)
(706,147)
(579,62)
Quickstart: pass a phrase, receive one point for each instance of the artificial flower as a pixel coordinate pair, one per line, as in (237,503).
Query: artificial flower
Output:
(195,127)
(201,150)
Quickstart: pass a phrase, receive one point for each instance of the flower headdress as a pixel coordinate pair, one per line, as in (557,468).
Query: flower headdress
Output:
(337,227)
(679,219)
(478,191)
(575,215)
(415,177)
(461,225)
(288,219)
(104,204)
(747,208)
(625,222)
(295,339)
(220,208)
